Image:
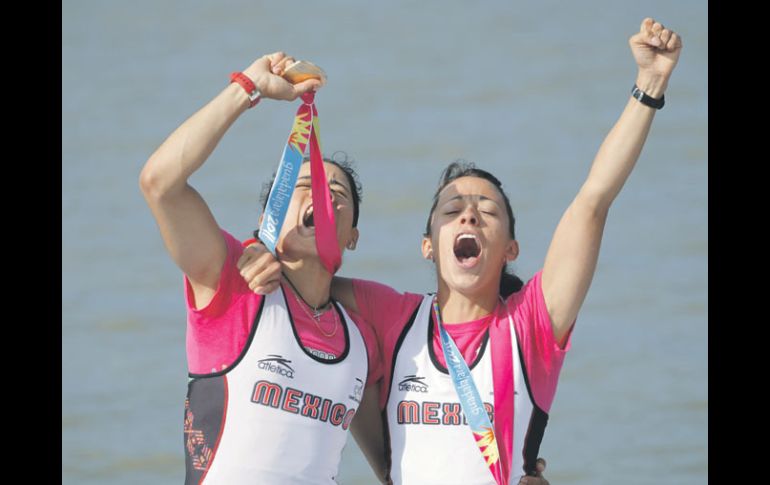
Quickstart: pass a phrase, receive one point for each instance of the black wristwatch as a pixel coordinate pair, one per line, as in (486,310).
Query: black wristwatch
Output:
(647,100)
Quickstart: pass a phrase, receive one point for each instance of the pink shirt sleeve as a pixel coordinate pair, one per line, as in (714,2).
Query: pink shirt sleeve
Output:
(217,333)
(542,355)
(388,312)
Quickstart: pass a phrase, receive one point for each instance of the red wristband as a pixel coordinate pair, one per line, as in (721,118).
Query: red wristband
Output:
(248,85)
(249,242)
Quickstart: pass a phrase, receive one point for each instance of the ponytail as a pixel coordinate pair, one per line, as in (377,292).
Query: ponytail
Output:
(509,283)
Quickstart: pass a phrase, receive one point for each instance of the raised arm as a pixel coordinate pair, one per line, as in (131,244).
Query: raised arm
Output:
(571,259)
(190,233)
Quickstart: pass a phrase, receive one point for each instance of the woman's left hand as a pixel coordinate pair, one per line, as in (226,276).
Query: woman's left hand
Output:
(260,269)
(656,50)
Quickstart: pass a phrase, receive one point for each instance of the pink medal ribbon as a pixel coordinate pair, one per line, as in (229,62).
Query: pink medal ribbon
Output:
(323,210)
(502,370)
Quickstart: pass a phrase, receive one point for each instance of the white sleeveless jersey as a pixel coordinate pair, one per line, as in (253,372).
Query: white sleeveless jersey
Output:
(278,415)
(429,441)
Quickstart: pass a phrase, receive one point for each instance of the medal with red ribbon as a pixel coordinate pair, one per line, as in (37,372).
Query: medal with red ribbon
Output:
(304,132)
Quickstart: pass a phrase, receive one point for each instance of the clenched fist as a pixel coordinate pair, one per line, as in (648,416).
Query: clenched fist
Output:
(656,50)
(266,74)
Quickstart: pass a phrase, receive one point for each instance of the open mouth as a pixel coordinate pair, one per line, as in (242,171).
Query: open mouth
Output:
(467,249)
(307,219)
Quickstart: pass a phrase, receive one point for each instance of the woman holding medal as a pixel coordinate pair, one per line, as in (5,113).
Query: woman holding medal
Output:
(275,381)
(486,345)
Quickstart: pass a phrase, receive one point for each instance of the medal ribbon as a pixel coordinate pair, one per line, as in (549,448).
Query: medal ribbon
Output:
(304,130)
(470,400)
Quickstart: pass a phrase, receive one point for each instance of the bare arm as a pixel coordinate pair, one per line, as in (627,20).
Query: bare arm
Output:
(342,291)
(368,432)
(190,233)
(571,259)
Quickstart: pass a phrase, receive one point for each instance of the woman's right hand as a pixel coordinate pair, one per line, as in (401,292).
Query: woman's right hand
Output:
(266,73)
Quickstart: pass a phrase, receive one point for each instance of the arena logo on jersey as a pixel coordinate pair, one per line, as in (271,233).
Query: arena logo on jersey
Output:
(277,365)
(358,390)
(297,402)
(430,412)
(413,383)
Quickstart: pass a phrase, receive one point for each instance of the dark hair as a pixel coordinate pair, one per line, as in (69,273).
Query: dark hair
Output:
(341,160)
(509,282)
